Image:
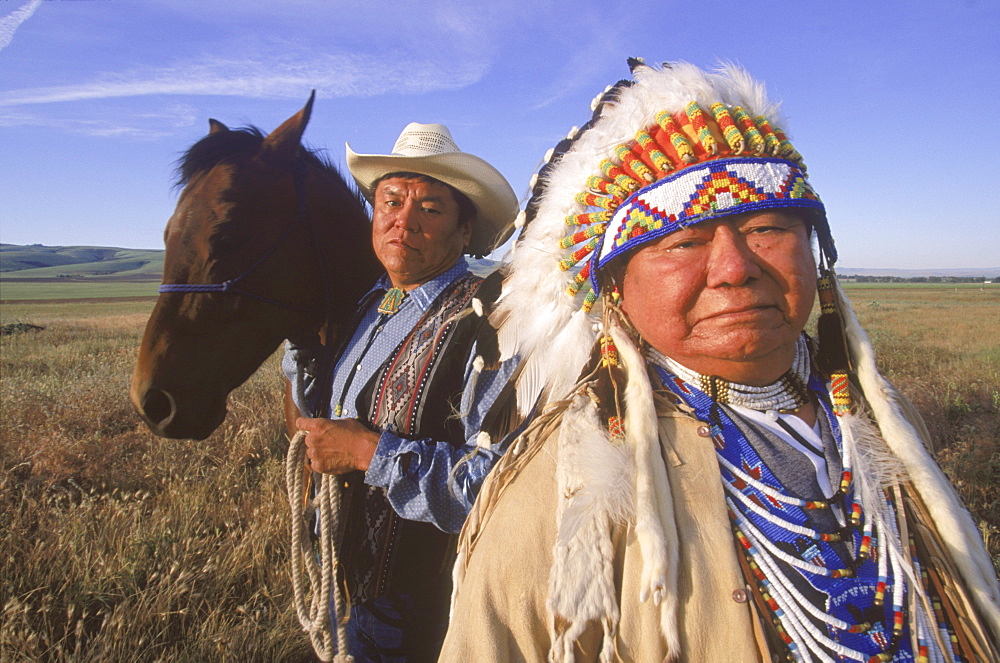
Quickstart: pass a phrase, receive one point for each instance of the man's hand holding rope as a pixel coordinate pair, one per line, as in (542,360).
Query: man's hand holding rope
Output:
(338,446)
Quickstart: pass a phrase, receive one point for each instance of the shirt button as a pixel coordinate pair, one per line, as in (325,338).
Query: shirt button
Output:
(704,431)
(740,595)
(358,367)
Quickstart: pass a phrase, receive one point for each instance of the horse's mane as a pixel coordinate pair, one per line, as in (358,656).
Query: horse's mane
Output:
(234,144)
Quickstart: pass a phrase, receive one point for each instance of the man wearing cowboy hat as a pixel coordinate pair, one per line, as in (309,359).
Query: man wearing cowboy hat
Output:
(407,389)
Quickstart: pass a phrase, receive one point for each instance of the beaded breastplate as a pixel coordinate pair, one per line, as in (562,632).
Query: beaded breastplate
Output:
(828,568)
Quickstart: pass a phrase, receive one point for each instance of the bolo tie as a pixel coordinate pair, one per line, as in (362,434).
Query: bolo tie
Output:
(390,304)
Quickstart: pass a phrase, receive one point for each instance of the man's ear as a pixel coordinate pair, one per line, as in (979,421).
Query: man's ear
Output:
(467,231)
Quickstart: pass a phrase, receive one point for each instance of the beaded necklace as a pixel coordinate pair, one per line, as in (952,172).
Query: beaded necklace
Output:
(788,393)
(825,586)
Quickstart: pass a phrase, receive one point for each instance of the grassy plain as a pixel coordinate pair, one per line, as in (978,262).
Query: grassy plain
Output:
(119,546)
(17,290)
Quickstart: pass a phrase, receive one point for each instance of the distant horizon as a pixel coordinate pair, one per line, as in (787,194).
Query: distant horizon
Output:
(99,99)
(842,270)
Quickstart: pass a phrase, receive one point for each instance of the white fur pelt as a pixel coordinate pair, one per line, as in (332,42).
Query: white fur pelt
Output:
(655,528)
(540,322)
(953,522)
(603,483)
(595,492)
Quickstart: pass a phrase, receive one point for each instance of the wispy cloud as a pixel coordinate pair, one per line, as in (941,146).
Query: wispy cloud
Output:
(12,21)
(603,38)
(336,75)
(139,126)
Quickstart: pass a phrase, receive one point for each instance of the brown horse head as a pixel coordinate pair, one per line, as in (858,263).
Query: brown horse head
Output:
(267,242)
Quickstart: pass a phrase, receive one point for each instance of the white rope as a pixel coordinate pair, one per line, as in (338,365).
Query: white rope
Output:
(314,616)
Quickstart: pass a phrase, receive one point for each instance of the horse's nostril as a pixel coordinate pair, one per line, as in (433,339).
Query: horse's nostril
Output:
(158,406)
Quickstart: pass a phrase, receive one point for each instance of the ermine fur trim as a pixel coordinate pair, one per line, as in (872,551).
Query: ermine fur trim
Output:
(957,529)
(594,479)
(483,440)
(655,530)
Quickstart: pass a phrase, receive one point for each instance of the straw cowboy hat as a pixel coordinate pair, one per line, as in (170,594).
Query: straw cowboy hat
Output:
(428,149)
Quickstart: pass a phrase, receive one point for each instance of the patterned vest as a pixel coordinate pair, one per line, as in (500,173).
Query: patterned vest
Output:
(414,395)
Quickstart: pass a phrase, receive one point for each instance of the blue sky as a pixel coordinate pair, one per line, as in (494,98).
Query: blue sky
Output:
(889,102)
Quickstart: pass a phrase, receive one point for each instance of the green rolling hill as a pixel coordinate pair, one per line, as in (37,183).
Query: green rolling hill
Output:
(38,261)
(38,272)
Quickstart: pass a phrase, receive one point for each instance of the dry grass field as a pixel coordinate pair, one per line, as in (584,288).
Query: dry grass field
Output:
(119,546)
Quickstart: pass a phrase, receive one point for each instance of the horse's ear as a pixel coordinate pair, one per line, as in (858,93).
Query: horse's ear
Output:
(284,141)
(214,127)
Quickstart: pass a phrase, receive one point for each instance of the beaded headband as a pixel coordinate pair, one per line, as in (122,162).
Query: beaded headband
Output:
(689,166)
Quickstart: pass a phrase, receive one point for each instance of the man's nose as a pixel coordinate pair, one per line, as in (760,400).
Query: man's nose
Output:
(405,217)
(731,261)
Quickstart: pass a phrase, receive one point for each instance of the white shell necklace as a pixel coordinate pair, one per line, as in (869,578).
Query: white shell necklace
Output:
(787,393)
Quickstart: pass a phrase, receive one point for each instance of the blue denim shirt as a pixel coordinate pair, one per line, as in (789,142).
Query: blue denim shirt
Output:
(424,479)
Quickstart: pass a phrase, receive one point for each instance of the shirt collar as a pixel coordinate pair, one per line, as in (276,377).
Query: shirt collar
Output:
(425,293)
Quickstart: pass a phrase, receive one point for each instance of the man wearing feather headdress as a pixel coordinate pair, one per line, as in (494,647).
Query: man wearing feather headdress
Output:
(702,480)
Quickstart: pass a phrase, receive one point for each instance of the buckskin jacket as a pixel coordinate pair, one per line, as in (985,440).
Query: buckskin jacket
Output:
(505,586)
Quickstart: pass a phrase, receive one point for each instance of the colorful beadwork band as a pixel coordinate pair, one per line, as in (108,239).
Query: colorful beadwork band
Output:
(706,191)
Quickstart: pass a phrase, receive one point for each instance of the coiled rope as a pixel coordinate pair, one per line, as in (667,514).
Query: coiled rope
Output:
(314,615)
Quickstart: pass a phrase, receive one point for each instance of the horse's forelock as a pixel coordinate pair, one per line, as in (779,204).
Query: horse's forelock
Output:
(214,148)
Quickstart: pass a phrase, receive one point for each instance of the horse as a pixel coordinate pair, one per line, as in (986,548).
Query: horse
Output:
(268,242)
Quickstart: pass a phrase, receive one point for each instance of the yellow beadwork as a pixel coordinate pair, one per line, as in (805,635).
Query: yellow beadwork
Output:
(676,137)
(840,394)
(616,429)
(755,142)
(604,186)
(827,297)
(609,352)
(583,235)
(614,172)
(728,127)
(787,151)
(578,255)
(583,276)
(705,137)
(645,160)
(650,147)
(587,198)
(587,218)
(771,141)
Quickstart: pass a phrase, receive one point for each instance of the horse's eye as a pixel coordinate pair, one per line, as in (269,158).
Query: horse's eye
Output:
(224,244)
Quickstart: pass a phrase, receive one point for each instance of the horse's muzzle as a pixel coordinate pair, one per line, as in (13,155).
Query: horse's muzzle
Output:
(165,418)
